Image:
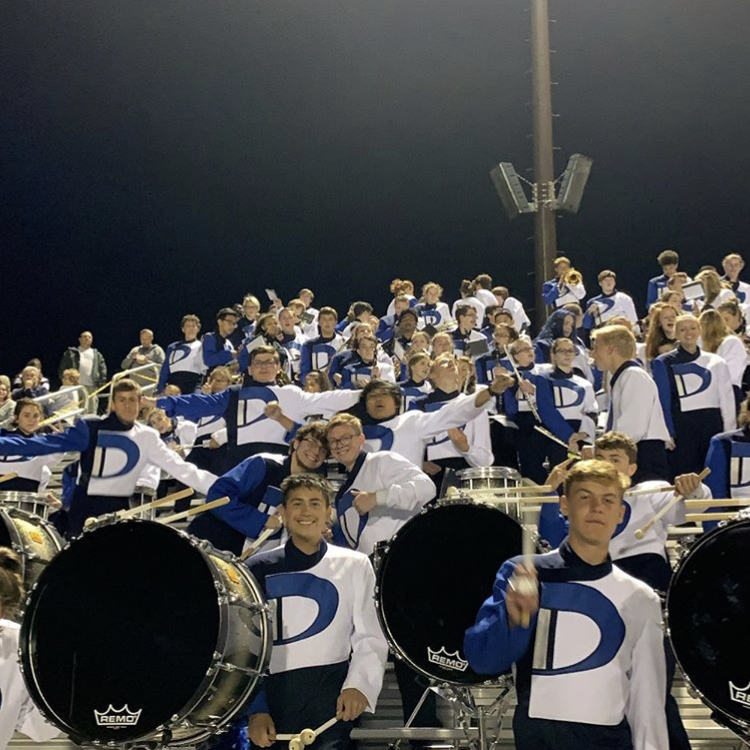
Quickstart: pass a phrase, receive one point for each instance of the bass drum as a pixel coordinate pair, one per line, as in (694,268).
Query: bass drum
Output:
(708,616)
(138,634)
(432,577)
(35,540)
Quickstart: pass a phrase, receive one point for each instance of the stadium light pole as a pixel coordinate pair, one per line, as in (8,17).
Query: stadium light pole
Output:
(545,231)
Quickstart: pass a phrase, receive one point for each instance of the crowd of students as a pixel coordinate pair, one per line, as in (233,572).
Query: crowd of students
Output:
(388,404)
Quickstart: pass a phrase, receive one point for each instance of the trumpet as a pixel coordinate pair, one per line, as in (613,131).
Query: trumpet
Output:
(572,277)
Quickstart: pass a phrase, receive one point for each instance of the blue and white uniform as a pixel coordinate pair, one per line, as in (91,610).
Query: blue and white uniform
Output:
(590,669)
(567,404)
(357,373)
(114,456)
(326,637)
(253,489)
(401,488)
(520,319)
(413,392)
(242,407)
(293,343)
(217,350)
(729,460)
(317,353)
(608,306)
(183,366)
(557,295)
(635,409)
(432,316)
(34,472)
(17,710)
(741,289)
(472,302)
(462,342)
(698,402)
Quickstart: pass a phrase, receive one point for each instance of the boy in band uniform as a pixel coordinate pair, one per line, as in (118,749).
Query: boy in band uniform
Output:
(329,652)
(587,644)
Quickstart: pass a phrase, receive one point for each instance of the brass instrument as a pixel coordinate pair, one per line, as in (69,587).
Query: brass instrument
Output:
(572,277)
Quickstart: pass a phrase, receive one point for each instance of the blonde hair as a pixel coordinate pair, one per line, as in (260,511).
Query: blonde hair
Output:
(618,337)
(594,470)
(712,284)
(344,419)
(713,330)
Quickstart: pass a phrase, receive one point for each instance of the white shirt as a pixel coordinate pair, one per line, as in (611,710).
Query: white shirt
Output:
(17,710)
(86,366)
(733,351)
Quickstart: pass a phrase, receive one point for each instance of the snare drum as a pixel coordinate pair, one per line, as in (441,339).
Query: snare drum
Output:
(34,539)
(31,502)
(138,634)
(708,617)
(432,577)
(479,484)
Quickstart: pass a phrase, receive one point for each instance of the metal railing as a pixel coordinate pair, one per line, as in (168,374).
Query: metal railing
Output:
(66,411)
(141,370)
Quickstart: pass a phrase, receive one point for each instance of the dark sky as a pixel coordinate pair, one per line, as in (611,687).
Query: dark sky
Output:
(158,158)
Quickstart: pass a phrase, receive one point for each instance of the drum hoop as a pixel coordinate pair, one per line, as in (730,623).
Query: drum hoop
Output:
(382,554)
(680,565)
(489,472)
(16,542)
(30,673)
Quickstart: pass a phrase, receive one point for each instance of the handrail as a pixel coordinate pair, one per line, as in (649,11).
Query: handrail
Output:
(83,400)
(156,368)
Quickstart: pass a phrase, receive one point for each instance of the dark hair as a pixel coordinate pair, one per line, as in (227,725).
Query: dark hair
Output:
(668,258)
(462,310)
(226,312)
(483,281)
(315,429)
(308,482)
(618,441)
(357,309)
(408,311)
(553,328)
(323,380)
(125,385)
(23,402)
(11,581)
(382,385)
(264,350)
(327,310)
(190,319)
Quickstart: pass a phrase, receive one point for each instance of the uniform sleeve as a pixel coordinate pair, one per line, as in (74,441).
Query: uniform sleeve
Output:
(717,459)
(75,439)
(629,309)
(369,647)
(661,378)
(297,404)
(553,526)
(236,484)
(491,645)
(404,487)
(726,397)
(455,413)
(182,471)
(195,406)
(550,292)
(163,374)
(212,355)
(577,290)
(305,361)
(480,445)
(551,417)
(652,295)
(648,683)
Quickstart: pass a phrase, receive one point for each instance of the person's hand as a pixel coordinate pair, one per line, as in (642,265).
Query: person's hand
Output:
(273,522)
(54,501)
(57,427)
(213,444)
(574,439)
(273,411)
(141,359)
(459,439)
(587,452)
(337,378)
(396,366)
(364,502)
(261,730)
(671,445)
(206,388)
(686,484)
(501,380)
(558,475)
(375,373)
(430,468)
(147,402)
(522,596)
(350,704)
(528,388)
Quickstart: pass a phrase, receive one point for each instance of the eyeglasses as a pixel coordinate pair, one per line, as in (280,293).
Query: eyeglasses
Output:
(264,362)
(565,351)
(343,442)
(314,443)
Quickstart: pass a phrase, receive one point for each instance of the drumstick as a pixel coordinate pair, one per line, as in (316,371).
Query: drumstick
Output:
(652,491)
(173,498)
(253,548)
(557,440)
(520,490)
(640,533)
(527,586)
(724,502)
(525,396)
(8,477)
(195,511)
(307,736)
(700,517)
(539,499)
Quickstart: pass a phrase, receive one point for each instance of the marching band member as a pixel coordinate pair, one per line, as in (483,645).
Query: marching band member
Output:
(562,324)
(329,664)
(364,366)
(466,339)
(249,431)
(634,405)
(469,298)
(417,386)
(502,337)
(114,452)
(598,685)
(564,287)
(432,311)
(34,472)
(733,265)
(696,395)
(660,338)
(512,305)
(717,338)
(609,304)
(669,260)
(17,711)
(317,352)
(183,364)
(253,491)
(217,348)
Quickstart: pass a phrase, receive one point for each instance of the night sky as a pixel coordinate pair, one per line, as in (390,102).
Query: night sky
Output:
(159,158)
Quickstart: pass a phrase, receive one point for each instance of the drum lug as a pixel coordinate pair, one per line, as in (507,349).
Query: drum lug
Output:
(227,667)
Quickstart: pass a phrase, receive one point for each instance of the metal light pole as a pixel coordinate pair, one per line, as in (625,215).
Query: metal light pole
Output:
(545,232)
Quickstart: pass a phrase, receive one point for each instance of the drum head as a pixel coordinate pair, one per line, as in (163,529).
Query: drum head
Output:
(120,631)
(708,607)
(436,573)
